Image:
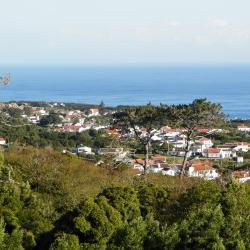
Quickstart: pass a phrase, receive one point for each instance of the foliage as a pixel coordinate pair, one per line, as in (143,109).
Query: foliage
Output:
(52,118)
(190,117)
(41,137)
(134,120)
(53,201)
(66,242)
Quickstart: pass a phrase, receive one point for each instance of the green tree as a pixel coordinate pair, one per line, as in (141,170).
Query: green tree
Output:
(96,222)
(14,112)
(66,242)
(27,110)
(153,199)
(123,199)
(50,119)
(143,122)
(201,229)
(236,209)
(12,241)
(130,236)
(102,107)
(191,117)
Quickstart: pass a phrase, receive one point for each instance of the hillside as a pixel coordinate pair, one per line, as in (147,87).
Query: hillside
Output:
(54,201)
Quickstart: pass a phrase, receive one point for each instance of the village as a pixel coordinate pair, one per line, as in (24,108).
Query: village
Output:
(205,155)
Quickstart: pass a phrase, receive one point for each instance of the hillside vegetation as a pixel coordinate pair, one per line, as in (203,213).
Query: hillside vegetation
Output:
(54,201)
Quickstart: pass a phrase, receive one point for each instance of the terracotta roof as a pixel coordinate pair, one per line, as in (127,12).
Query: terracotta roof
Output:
(212,150)
(165,166)
(243,126)
(241,174)
(204,139)
(168,129)
(94,110)
(203,130)
(142,162)
(139,161)
(159,158)
(202,165)
(113,132)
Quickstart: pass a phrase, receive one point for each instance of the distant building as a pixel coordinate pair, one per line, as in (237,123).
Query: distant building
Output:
(212,153)
(207,143)
(2,141)
(241,176)
(171,170)
(170,132)
(75,128)
(84,150)
(219,153)
(242,146)
(159,158)
(203,169)
(244,128)
(94,112)
(240,159)
(118,153)
(113,132)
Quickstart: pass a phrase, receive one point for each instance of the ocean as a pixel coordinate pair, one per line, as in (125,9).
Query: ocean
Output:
(132,85)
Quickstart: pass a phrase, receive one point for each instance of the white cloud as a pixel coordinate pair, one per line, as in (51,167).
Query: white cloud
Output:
(218,23)
(202,40)
(172,24)
(244,34)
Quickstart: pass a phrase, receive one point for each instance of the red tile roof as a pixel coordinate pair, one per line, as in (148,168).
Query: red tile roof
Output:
(212,150)
(204,139)
(202,165)
(241,174)
(159,158)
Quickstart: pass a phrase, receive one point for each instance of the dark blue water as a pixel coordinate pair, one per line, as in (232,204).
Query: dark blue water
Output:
(115,85)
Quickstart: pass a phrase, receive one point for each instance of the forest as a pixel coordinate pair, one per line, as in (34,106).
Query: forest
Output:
(54,201)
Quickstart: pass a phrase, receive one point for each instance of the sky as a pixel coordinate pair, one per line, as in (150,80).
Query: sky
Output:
(124,31)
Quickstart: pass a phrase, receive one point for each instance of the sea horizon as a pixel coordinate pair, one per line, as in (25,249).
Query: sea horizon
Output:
(136,84)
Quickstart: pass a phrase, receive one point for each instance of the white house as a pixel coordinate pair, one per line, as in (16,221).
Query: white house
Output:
(227,153)
(207,143)
(75,128)
(94,112)
(43,112)
(242,146)
(155,169)
(203,170)
(180,152)
(2,141)
(171,171)
(117,153)
(170,132)
(138,167)
(219,153)
(244,128)
(201,145)
(179,142)
(84,149)
(156,138)
(212,153)
(34,119)
(241,176)
(240,159)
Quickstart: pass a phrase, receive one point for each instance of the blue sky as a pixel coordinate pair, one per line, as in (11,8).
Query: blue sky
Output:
(124,31)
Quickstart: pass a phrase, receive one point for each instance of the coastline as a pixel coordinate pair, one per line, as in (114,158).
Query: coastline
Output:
(94,105)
